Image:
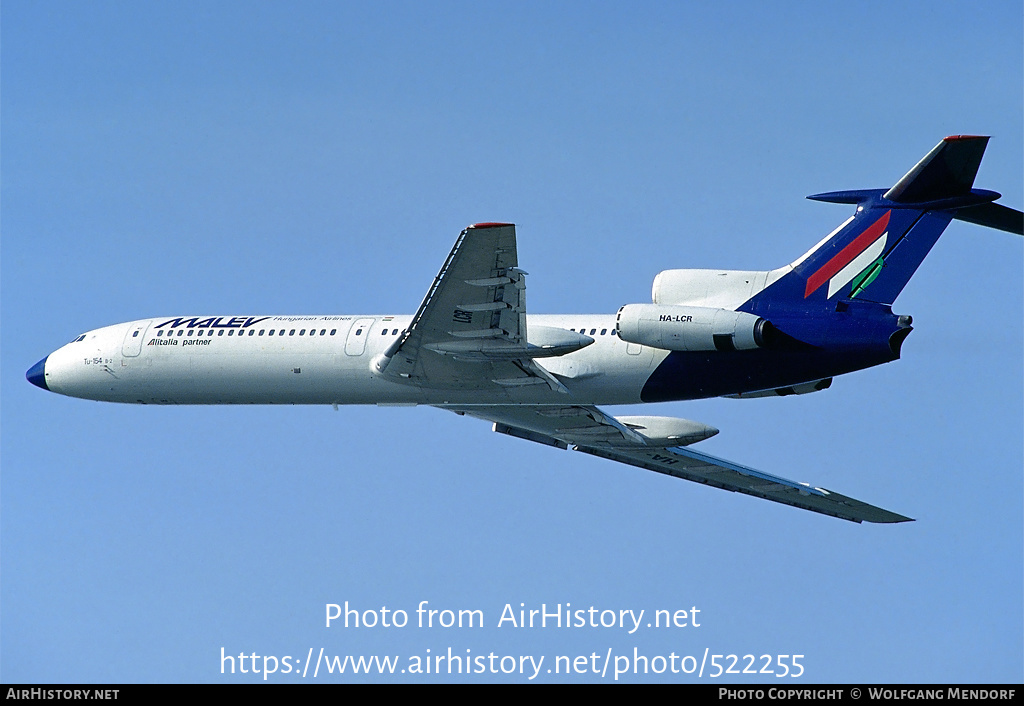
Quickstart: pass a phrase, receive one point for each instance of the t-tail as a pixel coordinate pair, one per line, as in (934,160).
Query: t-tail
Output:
(875,252)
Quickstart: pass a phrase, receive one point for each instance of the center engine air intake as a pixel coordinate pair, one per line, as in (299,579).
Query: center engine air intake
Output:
(692,328)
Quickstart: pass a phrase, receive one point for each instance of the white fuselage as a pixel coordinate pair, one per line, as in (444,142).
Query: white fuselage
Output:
(315,360)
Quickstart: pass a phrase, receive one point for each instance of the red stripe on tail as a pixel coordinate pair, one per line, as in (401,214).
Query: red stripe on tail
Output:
(846,255)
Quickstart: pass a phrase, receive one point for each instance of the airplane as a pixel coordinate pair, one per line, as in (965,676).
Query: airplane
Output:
(471,348)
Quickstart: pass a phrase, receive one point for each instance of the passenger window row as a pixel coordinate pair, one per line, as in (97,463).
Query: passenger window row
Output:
(256,332)
(303,332)
(593,331)
(251,332)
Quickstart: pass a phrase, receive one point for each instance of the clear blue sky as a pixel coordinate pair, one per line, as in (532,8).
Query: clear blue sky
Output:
(258,158)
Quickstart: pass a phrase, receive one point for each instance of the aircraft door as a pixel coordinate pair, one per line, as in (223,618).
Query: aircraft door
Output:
(642,355)
(355,343)
(132,345)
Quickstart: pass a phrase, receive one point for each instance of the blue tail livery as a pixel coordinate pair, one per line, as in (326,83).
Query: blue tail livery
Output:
(830,311)
(876,254)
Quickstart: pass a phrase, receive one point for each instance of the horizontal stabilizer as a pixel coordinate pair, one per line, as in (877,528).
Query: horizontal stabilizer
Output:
(855,196)
(945,172)
(993,215)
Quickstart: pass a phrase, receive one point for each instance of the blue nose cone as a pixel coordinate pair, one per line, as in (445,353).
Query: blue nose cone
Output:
(37,374)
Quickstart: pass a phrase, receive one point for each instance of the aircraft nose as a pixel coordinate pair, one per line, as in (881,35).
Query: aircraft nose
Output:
(37,374)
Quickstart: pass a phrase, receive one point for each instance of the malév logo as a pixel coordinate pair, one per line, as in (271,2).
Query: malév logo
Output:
(213,322)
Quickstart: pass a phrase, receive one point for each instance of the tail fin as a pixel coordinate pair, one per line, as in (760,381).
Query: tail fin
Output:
(874,254)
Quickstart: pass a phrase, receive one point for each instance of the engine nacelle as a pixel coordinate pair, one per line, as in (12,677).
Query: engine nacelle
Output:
(668,431)
(691,328)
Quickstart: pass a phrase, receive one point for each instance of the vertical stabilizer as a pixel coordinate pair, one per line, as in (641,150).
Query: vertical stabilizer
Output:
(873,255)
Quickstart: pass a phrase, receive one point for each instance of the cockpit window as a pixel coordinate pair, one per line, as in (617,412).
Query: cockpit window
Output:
(80,338)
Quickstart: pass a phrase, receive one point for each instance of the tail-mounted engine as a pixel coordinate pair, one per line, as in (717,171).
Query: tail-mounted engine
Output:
(692,328)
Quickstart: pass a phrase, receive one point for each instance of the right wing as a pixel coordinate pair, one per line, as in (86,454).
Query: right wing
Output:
(658,444)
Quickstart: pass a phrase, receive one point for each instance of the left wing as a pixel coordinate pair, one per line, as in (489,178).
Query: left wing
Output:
(470,330)
(657,444)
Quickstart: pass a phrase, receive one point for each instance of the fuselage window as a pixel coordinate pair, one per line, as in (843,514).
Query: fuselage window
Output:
(593,331)
(252,332)
(302,332)
(292,332)
(261,332)
(231,332)
(604,331)
(323,332)
(359,332)
(190,332)
(158,333)
(221,332)
(271,332)
(334,331)
(180,332)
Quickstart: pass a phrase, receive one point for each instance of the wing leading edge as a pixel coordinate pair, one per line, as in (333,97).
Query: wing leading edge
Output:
(658,444)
